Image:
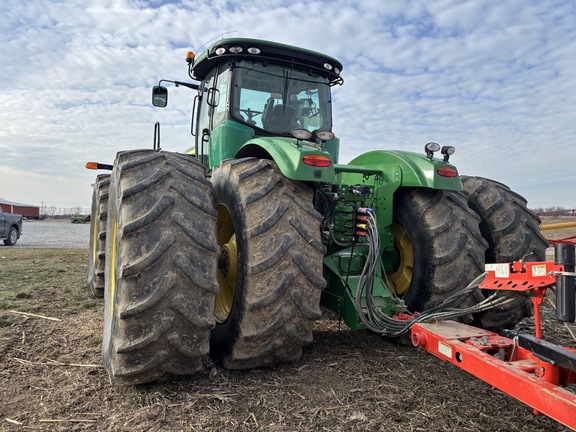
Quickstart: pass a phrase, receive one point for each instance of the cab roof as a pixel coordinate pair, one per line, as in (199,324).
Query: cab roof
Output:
(225,50)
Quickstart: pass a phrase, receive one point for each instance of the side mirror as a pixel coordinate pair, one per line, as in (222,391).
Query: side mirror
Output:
(159,96)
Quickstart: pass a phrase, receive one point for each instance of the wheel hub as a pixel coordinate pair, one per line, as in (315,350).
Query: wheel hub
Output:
(227,265)
(224,262)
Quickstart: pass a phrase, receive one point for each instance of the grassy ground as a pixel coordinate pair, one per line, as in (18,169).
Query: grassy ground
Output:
(30,277)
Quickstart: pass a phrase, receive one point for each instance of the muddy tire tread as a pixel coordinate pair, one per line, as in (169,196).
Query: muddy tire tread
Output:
(273,318)
(163,307)
(447,245)
(512,232)
(98,220)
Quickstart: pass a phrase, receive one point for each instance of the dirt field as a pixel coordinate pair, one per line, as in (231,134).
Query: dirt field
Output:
(51,376)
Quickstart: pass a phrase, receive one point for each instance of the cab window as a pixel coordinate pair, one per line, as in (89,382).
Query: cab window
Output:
(279,99)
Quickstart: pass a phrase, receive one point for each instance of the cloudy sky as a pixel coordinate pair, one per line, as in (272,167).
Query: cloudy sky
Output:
(494,78)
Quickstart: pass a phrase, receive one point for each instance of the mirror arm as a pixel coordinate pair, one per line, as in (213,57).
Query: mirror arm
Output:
(180,83)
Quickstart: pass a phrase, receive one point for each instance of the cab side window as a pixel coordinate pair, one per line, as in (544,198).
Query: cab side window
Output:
(221,109)
(205,119)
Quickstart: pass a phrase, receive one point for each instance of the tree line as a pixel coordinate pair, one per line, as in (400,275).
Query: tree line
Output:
(554,211)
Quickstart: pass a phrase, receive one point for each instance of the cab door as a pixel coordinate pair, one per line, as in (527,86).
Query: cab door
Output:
(213,109)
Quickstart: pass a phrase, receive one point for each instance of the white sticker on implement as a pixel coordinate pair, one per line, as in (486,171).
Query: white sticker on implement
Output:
(444,348)
(500,270)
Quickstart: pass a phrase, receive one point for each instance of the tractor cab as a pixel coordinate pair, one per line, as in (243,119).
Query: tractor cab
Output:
(254,89)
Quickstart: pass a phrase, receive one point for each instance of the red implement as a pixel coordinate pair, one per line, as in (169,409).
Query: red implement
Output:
(530,369)
(502,363)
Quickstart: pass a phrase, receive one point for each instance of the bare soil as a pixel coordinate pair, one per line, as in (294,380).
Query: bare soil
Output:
(51,376)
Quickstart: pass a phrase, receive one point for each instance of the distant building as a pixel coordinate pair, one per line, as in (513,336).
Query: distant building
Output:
(25,210)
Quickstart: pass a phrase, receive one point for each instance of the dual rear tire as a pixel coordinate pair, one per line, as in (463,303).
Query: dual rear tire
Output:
(171,235)
(444,238)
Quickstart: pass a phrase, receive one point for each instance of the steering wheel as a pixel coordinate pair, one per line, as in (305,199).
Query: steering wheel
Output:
(250,113)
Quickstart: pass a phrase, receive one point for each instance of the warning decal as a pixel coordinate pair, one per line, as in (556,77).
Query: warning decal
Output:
(500,270)
(539,270)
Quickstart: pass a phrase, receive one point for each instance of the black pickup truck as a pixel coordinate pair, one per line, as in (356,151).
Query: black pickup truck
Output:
(10,227)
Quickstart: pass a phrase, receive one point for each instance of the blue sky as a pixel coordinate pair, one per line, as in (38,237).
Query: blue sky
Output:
(496,79)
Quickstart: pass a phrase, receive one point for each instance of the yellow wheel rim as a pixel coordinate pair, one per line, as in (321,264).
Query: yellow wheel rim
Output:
(94,223)
(112,281)
(401,278)
(228,264)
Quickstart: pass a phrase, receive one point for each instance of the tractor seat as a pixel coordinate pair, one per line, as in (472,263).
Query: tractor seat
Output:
(282,118)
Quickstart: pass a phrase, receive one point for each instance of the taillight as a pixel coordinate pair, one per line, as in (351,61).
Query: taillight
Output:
(447,172)
(317,160)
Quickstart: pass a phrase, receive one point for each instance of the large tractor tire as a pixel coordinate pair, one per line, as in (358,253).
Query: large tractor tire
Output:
(161,267)
(512,232)
(96,250)
(270,265)
(439,246)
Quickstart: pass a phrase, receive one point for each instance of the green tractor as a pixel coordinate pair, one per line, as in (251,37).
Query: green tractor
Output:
(228,250)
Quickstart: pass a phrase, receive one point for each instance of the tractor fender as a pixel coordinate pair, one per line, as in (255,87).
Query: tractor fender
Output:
(409,169)
(289,154)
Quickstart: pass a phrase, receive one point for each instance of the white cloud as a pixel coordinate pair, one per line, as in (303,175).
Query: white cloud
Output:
(495,79)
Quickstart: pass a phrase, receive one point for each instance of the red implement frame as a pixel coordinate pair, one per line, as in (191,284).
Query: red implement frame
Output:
(499,361)
(569,240)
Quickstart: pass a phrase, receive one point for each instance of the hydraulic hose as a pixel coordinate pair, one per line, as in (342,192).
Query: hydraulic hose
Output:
(379,322)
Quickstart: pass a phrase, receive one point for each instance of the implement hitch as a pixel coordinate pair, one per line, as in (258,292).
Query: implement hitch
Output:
(532,370)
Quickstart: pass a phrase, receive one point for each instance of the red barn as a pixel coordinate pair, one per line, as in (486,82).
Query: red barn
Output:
(25,210)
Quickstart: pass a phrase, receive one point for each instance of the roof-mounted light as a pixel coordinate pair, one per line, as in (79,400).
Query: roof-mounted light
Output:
(430,149)
(236,49)
(189,57)
(254,50)
(301,134)
(220,50)
(328,66)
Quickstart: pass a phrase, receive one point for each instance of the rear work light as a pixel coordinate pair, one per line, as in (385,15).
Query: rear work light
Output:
(324,135)
(301,134)
(447,172)
(317,160)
